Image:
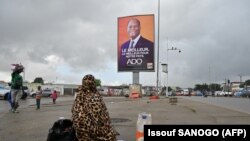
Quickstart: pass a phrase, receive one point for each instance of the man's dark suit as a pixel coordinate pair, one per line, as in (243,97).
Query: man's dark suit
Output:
(144,52)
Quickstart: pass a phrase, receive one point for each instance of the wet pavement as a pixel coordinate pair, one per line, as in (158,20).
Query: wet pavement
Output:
(33,125)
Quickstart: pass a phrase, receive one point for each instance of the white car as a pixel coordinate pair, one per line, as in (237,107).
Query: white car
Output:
(224,93)
(217,93)
(4,92)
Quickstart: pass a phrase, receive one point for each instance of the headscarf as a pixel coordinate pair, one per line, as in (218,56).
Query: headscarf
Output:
(88,84)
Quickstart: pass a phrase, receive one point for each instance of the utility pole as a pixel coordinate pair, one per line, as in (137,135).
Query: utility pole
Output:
(209,79)
(225,85)
(173,48)
(240,78)
(158,50)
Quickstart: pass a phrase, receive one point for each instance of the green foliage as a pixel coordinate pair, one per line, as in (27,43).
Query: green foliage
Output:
(211,87)
(38,80)
(98,82)
(242,85)
(201,87)
(246,83)
(215,87)
(169,89)
(178,88)
(163,90)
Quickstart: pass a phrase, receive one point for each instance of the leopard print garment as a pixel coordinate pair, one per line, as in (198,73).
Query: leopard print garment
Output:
(89,114)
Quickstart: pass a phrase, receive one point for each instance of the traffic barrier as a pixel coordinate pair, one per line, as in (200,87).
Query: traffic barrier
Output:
(154,97)
(134,95)
(172,100)
(143,119)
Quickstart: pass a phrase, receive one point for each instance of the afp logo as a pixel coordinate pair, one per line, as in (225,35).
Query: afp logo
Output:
(134,61)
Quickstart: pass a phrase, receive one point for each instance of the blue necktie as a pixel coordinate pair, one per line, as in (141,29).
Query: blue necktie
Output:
(131,44)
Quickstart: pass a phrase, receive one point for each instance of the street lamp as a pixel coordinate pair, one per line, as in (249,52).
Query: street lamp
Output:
(165,70)
(169,49)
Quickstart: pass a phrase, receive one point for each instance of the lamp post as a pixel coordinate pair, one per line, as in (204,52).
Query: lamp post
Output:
(169,49)
(165,70)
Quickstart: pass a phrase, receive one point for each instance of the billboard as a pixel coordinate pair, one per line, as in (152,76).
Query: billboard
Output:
(136,43)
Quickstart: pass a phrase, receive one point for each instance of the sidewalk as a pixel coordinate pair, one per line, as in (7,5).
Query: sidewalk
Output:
(33,125)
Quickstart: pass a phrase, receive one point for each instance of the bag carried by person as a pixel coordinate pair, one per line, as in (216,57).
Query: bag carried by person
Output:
(62,130)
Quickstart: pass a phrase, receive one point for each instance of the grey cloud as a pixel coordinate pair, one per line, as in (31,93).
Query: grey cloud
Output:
(211,34)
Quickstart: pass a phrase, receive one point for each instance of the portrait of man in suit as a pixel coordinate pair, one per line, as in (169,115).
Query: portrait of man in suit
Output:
(137,53)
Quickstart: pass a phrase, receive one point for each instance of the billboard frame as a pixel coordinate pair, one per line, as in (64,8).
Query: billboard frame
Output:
(147,31)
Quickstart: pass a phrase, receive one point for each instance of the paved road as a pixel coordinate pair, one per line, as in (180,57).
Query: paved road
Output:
(233,103)
(4,105)
(33,125)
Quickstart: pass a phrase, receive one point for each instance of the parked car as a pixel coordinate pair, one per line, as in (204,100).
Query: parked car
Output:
(185,92)
(245,92)
(199,93)
(45,93)
(171,93)
(4,92)
(217,93)
(178,93)
(223,93)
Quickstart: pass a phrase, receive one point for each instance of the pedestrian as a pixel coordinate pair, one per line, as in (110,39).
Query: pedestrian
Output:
(16,86)
(38,97)
(90,117)
(54,96)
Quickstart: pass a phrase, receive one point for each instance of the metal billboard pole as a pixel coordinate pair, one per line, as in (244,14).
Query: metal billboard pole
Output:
(158,50)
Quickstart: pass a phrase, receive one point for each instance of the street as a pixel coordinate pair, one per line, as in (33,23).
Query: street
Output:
(233,103)
(33,125)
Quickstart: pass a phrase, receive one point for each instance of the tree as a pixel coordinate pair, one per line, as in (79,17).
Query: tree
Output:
(38,80)
(215,87)
(98,82)
(198,87)
(246,83)
(178,88)
(169,89)
(203,87)
(242,85)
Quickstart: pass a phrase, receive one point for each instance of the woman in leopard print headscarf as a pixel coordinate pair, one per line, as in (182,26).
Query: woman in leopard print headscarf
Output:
(90,117)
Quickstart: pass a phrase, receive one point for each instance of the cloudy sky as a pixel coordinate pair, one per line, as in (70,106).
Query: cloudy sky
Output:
(62,40)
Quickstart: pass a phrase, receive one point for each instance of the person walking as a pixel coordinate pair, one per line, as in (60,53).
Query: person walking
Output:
(90,116)
(38,97)
(54,96)
(16,86)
